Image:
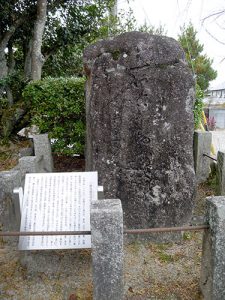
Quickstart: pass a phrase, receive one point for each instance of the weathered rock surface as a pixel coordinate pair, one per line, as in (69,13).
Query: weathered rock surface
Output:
(139,100)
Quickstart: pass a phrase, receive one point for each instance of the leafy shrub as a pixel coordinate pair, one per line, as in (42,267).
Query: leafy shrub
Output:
(57,107)
(198,106)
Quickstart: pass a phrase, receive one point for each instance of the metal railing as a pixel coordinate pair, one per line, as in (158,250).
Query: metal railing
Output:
(126,231)
(211,157)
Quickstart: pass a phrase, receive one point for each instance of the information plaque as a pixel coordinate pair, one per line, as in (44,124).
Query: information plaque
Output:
(57,202)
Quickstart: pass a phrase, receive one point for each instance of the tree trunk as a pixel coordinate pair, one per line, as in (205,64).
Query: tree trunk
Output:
(37,59)
(11,60)
(27,62)
(3,64)
(3,68)
(11,66)
(3,45)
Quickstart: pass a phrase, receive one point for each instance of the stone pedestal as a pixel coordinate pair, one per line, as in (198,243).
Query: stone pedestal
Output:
(202,144)
(213,257)
(107,249)
(221,173)
(42,149)
(9,203)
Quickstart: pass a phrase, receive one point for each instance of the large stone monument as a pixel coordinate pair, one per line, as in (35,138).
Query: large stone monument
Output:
(139,103)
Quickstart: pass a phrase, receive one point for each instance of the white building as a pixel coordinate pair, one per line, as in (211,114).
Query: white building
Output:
(215,104)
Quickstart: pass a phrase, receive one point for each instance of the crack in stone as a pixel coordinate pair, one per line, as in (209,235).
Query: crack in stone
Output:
(155,65)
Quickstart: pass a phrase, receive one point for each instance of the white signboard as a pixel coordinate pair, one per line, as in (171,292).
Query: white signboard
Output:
(57,202)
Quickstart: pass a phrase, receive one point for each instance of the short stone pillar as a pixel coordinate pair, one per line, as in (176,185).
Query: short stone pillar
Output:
(220,173)
(107,249)
(212,280)
(202,144)
(30,164)
(9,203)
(42,148)
(139,108)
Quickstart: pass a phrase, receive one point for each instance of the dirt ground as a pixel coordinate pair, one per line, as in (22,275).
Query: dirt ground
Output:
(168,271)
(151,271)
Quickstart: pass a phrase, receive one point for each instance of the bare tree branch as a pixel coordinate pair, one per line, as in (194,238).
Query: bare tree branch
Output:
(220,26)
(213,14)
(216,16)
(9,33)
(212,36)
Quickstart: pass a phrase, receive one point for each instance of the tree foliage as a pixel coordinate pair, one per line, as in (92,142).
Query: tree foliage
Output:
(68,60)
(68,22)
(200,63)
(70,25)
(57,107)
(67,26)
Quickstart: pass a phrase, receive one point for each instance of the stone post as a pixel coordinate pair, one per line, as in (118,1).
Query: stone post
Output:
(202,144)
(42,148)
(212,280)
(107,249)
(9,203)
(221,173)
(30,164)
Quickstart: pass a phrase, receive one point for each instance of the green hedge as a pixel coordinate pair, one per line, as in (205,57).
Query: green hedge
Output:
(57,107)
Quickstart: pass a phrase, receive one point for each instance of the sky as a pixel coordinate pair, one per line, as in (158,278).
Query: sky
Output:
(173,14)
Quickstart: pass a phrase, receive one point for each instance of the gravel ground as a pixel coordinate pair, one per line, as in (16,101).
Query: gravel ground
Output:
(168,271)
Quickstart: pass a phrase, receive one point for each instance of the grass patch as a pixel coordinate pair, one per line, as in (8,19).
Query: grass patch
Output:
(169,258)
(181,290)
(187,236)
(161,254)
(135,246)
(212,182)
